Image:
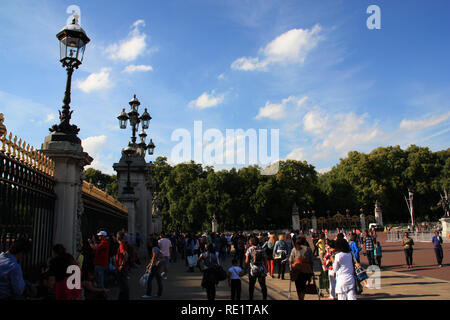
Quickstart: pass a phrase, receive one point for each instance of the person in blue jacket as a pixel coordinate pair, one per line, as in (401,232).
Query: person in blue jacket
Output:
(355,248)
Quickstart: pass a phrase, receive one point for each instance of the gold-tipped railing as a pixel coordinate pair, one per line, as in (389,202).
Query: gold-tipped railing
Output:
(20,150)
(103,196)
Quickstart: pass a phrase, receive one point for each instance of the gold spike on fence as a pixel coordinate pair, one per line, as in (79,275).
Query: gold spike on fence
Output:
(19,150)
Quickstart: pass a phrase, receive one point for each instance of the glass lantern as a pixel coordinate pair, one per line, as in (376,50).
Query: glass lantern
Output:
(123,118)
(73,40)
(151,147)
(146,119)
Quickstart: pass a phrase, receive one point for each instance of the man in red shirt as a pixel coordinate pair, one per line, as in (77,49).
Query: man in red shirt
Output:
(101,259)
(122,267)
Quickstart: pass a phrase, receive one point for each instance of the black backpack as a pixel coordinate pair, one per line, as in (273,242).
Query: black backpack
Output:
(258,256)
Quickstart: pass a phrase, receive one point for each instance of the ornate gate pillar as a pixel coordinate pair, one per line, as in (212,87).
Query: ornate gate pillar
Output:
(139,203)
(70,160)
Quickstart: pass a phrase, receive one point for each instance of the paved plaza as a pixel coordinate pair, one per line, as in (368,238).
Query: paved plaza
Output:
(425,282)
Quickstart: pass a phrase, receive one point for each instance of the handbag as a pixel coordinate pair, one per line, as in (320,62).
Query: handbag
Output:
(221,274)
(311,289)
(361,274)
(144,279)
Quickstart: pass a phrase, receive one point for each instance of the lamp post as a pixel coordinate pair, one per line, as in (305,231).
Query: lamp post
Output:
(136,120)
(129,151)
(73,41)
(410,205)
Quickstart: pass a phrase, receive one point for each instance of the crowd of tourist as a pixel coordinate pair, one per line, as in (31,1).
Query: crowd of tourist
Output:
(105,261)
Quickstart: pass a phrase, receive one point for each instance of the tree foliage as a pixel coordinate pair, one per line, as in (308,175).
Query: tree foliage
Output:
(189,195)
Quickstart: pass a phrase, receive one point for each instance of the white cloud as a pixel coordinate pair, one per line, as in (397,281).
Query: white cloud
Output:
(345,132)
(296,154)
(94,145)
(272,111)
(221,76)
(424,124)
(50,117)
(96,81)
(130,48)
(315,122)
(140,68)
(207,100)
(249,64)
(323,170)
(278,110)
(290,47)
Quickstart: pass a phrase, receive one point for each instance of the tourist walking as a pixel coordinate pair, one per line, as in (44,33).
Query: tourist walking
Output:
(321,246)
(166,248)
(408,244)
(209,280)
(343,270)
(154,268)
(369,246)
(301,262)
(378,252)
(12,284)
(437,245)
(355,248)
(122,266)
(235,273)
(268,248)
(315,238)
(328,267)
(280,251)
(255,262)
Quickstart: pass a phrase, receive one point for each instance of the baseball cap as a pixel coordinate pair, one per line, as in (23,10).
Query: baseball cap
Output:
(102,233)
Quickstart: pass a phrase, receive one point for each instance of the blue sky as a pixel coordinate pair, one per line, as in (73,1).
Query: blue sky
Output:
(311,69)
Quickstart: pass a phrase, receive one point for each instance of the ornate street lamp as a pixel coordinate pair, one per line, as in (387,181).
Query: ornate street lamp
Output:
(151,147)
(73,41)
(135,120)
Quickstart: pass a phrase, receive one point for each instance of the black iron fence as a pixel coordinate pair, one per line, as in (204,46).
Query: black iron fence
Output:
(27,202)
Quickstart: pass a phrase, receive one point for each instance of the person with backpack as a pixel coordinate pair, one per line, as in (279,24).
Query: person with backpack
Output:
(280,251)
(437,246)
(209,280)
(154,267)
(268,248)
(123,266)
(255,261)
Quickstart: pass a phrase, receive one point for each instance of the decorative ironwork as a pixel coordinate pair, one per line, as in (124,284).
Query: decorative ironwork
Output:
(27,201)
(95,192)
(21,151)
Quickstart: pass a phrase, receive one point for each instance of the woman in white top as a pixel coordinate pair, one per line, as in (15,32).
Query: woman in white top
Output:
(343,271)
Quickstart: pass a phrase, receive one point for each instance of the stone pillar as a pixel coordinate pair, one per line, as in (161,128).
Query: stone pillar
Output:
(363,222)
(69,160)
(314,222)
(130,203)
(215,226)
(140,202)
(295,218)
(445,229)
(378,213)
